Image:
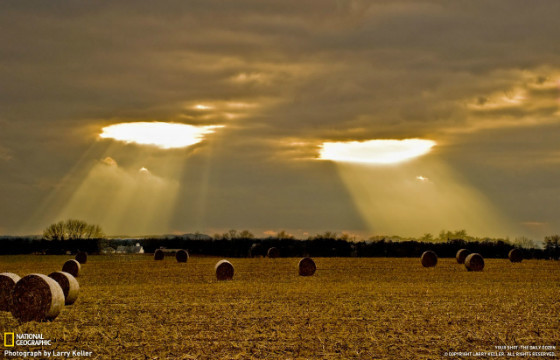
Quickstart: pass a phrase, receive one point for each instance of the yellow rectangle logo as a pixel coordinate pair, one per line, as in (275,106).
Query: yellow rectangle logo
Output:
(6,337)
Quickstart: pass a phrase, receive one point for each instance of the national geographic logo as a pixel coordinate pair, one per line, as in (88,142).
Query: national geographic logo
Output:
(16,340)
(9,339)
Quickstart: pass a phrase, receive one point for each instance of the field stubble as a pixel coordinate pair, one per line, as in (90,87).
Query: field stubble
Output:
(131,307)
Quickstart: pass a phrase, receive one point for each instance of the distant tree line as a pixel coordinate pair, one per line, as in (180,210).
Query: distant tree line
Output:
(552,246)
(328,244)
(23,245)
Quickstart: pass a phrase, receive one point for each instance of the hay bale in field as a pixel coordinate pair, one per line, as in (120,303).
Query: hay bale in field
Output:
(256,250)
(474,262)
(462,255)
(72,267)
(307,267)
(68,284)
(182,256)
(158,254)
(7,283)
(224,270)
(37,297)
(273,253)
(515,255)
(81,257)
(428,259)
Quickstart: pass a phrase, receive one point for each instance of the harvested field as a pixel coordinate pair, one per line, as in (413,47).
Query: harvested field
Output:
(352,308)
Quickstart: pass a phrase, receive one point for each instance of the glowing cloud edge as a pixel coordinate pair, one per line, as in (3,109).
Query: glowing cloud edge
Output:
(376,152)
(164,135)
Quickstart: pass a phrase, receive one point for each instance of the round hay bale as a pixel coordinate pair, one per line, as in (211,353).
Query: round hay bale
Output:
(37,297)
(515,255)
(307,267)
(428,259)
(256,250)
(68,284)
(273,253)
(72,267)
(224,270)
(474,262)
(158,254)
(81,257)
(7,283)
(182,256)
(461,255)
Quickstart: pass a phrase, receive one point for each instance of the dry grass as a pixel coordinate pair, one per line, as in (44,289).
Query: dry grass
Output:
(131,307)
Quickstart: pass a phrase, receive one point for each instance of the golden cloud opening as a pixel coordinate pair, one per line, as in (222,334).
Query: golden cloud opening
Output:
(381,152)
(160,134)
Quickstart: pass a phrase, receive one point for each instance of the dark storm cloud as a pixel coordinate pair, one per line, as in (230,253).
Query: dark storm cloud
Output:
(300,72)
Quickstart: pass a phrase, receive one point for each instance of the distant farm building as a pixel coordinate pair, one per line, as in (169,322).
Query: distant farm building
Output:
(130,249)
(108,250)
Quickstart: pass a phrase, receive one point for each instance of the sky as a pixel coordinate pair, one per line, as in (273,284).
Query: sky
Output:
(268,85)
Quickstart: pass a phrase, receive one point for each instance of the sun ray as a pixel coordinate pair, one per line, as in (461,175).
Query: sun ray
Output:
(393,200)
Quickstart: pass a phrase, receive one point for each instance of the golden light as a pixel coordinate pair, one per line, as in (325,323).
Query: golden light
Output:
(375,151)
(203,107)
(160,134)
(395,200)
(126,199)
(514,99)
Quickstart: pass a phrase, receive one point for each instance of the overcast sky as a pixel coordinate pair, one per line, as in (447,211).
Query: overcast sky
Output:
(479,78)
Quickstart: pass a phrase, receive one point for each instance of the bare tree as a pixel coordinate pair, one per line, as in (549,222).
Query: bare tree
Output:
(552,246)
(232,234)
(283,235)
(246,234)
(525,243)
(326,235)
(72,229)
(55,231)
